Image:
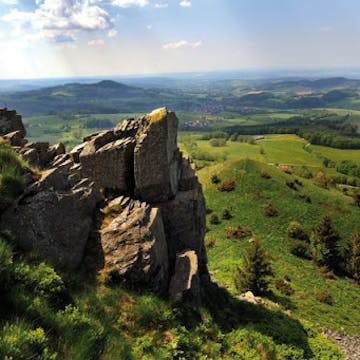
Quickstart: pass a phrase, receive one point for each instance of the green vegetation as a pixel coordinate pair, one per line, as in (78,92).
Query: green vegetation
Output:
(254,191)
(256,271)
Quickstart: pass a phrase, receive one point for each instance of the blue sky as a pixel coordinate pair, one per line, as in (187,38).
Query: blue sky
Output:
(57,38)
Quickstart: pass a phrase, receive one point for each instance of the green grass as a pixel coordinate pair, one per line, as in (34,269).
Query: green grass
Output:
(246,203)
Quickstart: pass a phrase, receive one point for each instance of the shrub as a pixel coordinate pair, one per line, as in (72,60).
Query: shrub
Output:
(325,243)
(226,215)
(291,185)
(208,211)
(215,179)
(287,169)
(284,287)
(270,211)
(214,219)
(265,175)
(296,231)
(210,242)
(326,273)
(354,260)
(12,184)
(227,185)
(322,180)
(18,341)
(300,249)
(218,142)
(324,296)
(256,271)
(238,233)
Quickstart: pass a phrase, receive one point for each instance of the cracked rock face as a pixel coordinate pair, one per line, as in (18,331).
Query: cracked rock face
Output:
(54,216)
(134,244)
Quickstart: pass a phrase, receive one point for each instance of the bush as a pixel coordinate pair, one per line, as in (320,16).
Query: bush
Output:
(214,219)
(322,180)
(226,215)
(210,242)
(296,231)
(215,179)
(18,341)
(238,233)
(270,211)
(227,185)
(256,271)
(12,184)
(218,142)
(291,185)
(265,175)
(284,287)
(324,296)
(326,273)
(300,249)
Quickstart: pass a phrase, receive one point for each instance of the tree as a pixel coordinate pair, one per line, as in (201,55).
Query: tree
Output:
(256,270)
(325,243)
(354,261)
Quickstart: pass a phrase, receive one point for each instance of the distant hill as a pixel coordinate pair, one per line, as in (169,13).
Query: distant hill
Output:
(314,85)
(105,96)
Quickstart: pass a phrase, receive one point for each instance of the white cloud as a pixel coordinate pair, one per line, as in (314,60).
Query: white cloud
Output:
(185,3)
(149,27)
(123,3)
(96,42)
(54,18)
(182,44)
(112,33)
(161,5)
(9,2)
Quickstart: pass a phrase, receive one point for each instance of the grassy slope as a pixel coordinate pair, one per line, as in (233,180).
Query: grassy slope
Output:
(251,194)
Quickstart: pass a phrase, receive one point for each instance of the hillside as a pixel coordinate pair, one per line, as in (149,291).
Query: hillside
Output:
(87,276)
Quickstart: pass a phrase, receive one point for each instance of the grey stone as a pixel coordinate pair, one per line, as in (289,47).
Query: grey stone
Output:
(10,121)
(15,138)
(54,218)
(156,157)
(134,244)
(185,225)
(185,283)
(110,166)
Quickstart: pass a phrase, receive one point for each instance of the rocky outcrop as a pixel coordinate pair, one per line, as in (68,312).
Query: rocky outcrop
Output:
(153,209)
(55,216)
(10,121)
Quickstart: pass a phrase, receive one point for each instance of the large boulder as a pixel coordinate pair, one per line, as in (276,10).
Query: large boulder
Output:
(156,157)
(55,216)
(134,244)
(10,121)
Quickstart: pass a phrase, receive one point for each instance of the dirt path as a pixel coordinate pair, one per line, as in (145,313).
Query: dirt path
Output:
(350,345)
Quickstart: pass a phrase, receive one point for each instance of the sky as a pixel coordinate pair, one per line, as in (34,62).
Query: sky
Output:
(62,38)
